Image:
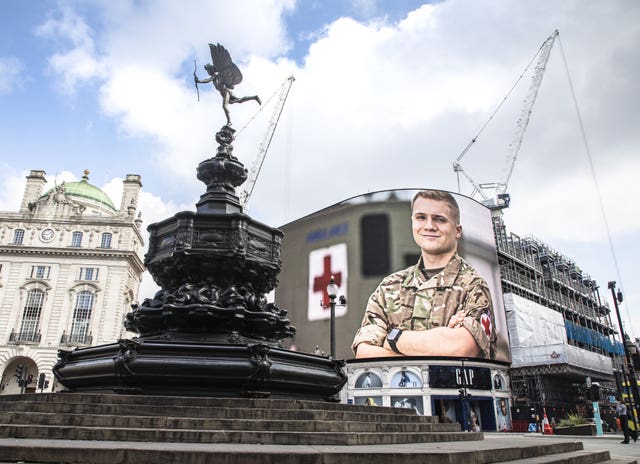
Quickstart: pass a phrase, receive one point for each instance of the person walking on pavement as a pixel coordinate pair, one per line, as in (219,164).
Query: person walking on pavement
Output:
(621,411)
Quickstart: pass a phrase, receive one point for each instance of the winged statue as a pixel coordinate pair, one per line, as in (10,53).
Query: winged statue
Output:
(224,74)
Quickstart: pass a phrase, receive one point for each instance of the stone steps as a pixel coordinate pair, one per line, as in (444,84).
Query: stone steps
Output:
(165,422)
(221,413)
(111,417)
(86,452)
(226,436)
(125,405)
(576,457)
(127,429)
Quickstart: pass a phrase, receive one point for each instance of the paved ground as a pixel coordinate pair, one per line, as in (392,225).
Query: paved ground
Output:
(609,442)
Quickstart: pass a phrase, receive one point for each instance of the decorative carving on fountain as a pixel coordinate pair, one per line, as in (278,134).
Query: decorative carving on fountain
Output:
(214,310)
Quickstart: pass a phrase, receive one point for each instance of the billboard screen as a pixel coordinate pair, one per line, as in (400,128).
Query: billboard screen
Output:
(448,302)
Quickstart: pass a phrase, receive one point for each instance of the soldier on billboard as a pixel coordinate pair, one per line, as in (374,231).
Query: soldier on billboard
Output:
(438,307)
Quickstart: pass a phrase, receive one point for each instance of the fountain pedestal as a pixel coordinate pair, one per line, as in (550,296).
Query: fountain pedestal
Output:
(209,330)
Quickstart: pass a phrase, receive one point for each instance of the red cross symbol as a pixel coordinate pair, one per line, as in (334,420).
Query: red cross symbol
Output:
(320,282)
(486,323)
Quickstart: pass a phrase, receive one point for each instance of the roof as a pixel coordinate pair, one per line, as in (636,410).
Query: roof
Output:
(85,191)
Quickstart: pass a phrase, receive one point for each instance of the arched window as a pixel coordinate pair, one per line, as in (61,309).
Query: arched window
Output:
(81,317)
(76,239)
(406,379)
(106,240)
(31,315)
(18,236)
(368,380)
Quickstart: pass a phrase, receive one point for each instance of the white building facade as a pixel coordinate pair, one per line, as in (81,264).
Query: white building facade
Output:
(70,268)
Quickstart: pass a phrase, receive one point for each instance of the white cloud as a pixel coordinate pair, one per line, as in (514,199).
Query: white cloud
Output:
(78,63)
(11,71)
(11,188)
(384,105)
(153,209)
(573,202)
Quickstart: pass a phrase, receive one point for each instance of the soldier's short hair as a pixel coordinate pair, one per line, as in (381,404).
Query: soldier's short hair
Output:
(439,195)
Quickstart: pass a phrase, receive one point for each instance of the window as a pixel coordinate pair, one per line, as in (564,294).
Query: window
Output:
(368,380)
(106,240)
(40,272)
(81,317)
(89,273)
(374,245)
(76,239)
(18,236)
(31,314)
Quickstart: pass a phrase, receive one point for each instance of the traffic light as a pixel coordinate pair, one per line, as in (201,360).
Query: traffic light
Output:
(41,379)
(19,371)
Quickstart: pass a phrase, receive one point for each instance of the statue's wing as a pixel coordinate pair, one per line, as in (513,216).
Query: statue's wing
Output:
(222,63)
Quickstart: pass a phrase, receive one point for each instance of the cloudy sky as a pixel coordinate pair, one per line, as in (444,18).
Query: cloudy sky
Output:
(387,94)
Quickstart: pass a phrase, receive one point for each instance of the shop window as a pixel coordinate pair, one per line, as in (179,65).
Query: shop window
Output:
(408,402)
(368,400)
(368,380)
(406,379)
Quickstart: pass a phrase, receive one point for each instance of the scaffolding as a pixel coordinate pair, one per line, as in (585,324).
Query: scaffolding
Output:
(536,272)
(532,269)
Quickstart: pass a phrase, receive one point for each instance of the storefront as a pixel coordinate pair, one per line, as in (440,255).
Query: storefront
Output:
(474,393)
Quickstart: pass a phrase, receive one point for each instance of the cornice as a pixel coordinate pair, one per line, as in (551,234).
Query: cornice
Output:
(115,221)
(73,252)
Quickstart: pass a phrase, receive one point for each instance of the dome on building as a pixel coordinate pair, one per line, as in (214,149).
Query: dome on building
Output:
(86,194)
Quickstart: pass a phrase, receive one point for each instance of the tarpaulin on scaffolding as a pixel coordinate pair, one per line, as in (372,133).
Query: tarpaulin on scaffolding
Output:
(538,337)
(531,324)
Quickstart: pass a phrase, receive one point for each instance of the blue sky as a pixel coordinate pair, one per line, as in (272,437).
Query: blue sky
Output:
(387,94)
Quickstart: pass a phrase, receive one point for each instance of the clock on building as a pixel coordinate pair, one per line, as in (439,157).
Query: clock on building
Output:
(47,235)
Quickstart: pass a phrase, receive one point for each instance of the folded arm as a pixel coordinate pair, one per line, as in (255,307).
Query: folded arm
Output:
(453,340)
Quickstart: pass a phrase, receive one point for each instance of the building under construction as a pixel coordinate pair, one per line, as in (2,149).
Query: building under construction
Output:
(563,350)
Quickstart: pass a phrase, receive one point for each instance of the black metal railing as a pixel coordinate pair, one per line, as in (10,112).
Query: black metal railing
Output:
(24,337)
(76,339)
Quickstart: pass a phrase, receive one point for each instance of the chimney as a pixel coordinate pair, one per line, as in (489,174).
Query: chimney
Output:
(130,191)
(33,189)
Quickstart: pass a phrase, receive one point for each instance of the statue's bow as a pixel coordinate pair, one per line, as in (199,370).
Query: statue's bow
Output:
(195,78)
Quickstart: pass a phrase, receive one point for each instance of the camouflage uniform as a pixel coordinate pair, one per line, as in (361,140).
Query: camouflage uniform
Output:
(407,300)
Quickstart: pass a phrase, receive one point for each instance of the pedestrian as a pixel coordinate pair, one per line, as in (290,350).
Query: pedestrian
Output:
(621,411)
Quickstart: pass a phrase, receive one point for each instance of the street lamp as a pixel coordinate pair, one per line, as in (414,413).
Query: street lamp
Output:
(332,291)
(635,394)
(465,400)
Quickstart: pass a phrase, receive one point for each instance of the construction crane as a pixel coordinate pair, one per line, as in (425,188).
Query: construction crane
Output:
(254,172)
(501,198)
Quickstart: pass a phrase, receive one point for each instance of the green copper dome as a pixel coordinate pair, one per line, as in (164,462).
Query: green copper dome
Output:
(83,190)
